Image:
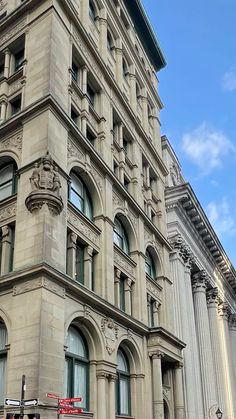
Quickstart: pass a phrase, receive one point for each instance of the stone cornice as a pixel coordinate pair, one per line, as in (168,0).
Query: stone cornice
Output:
(184,197)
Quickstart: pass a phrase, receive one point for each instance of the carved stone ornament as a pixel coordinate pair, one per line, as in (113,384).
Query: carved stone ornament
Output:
(45,184)
(110,331)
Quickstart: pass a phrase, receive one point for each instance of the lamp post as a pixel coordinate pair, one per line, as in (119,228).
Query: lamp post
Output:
(219,414)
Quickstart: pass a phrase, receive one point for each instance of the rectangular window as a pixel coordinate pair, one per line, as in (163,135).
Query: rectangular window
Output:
(122,294)
(91,95)
(1,70)
(19,59)
(74,116)
(79,262)
(15,106)
(75,72)
(91,137)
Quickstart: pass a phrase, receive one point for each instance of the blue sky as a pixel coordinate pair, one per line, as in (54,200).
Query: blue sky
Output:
(198,88)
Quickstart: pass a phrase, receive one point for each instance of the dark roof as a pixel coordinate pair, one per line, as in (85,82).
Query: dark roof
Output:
(145,33)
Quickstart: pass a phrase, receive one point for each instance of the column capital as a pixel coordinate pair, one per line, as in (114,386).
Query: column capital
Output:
(179,365)
(89,251)
(103,375)
(5,233)
(72,239)
(117,274)
(156,355)
(6,51)
(212,296)
(199,281)
(224,311)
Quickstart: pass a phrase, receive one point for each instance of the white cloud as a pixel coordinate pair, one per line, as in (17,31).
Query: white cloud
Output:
(221,217)
(206,147)
(229,81)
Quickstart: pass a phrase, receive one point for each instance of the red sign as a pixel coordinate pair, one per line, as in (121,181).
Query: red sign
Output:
(70,400)
(71,411)
(52,396)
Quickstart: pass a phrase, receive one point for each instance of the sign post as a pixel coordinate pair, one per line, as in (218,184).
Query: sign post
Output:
(22,403)
(22,397)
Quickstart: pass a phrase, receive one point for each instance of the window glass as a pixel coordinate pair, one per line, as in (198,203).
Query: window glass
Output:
(79,261)
(79,196)
(120,237)
(19,59)
(123,385)
(3,361)
(7,181)
(92,10)
(76,373)
(149,265)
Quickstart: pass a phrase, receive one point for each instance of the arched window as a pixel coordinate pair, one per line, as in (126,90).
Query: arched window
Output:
(76,375)
(3,361)
(92,10)
(7,180)
(123,385)
(120,238)
(149,265)
(79,196)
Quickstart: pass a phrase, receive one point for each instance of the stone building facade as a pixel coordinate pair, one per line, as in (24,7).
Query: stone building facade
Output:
(204,283)
(95,262)
(85,290)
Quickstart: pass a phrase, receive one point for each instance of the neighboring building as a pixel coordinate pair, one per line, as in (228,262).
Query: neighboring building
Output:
(95,290)
(86,299)
(204,282)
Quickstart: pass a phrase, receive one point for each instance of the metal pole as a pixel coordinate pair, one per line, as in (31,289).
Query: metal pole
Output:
(22,397)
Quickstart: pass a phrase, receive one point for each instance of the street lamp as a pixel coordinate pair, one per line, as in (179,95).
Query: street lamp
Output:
(219,414)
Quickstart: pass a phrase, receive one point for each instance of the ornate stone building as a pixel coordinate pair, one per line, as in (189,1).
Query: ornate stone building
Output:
(95,289)
(204,283)
(85,292)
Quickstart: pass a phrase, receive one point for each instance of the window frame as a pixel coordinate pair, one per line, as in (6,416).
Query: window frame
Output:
(125,376)
(121,236)
(87,204)
(149,262)
(12,181)
(3,355)
(80,248)
(73,360)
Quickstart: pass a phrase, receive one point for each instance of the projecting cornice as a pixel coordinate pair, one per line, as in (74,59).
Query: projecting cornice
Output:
(184,198)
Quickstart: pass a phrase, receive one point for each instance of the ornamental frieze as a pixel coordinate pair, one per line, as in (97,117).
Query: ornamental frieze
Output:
(13,142)
(74,151)
(83,228)
(10,33)
(8,212)
(123,264)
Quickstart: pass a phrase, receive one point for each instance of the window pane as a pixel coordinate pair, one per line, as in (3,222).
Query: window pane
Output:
(3,336)
(122,363)
(6,190)
(6,174)
(117,239)
(80,383)
(122,294)
(79,268)
(88,208)
(76,200)
(124,396)
(3,362)
(76,344)
(77,185)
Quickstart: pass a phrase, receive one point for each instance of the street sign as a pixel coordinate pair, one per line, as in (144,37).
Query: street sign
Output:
(52,396)
(31,402)
(73,411)
(12,402)
(70,400)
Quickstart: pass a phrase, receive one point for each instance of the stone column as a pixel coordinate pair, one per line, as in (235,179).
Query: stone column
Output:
(101,392)
(204,341)
(112,399)
(133,98)
(128,284)
(84,79)
(7,238)
(224,312)
(145,114)
(149,309)
(117,287)
(158,403)
(88,260)
(3,110)
(232,332)
(119,65)
(103,34)
(218,356)
(7,53)
(156,307)
(71,254)
(179,392)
